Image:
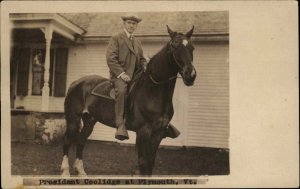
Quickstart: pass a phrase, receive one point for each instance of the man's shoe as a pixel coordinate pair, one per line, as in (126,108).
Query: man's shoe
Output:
(171,131)
(121,133)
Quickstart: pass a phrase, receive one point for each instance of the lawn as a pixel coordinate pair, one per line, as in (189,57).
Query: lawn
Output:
(108,158)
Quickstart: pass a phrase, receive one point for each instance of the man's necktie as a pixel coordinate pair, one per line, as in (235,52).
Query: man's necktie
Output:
(131,39)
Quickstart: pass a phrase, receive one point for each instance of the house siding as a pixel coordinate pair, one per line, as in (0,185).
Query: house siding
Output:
(29,102)
(208,106)
(85,60)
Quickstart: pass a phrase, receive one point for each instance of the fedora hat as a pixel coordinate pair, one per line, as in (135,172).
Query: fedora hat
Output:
(131,17)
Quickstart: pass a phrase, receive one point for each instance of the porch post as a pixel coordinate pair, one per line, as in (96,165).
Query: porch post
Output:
(45,91)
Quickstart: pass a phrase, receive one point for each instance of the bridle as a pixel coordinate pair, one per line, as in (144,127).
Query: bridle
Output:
(173,47)
(172,77)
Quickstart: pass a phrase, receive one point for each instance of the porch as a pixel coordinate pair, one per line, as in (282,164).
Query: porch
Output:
(39,59)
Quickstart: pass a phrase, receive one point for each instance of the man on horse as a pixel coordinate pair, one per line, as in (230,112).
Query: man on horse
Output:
(124,58)
(152,108)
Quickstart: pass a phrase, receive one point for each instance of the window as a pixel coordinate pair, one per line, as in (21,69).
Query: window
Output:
(30,67)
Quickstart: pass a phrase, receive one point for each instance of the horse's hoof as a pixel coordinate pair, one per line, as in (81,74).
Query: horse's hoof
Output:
(78,165)
(82,174)
(135,171)
(65,173)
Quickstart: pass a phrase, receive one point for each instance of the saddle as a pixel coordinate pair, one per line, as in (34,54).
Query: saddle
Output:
(105,90)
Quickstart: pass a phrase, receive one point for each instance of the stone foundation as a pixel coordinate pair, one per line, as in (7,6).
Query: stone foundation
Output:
(41,127)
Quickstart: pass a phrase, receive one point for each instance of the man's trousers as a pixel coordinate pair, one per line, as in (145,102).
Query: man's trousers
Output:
(120,99)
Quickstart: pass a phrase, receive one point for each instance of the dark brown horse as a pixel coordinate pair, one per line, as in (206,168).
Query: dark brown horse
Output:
(151,109)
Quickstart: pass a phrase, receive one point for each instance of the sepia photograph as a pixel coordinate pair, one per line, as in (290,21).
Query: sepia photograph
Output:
(162,77)
(113,96)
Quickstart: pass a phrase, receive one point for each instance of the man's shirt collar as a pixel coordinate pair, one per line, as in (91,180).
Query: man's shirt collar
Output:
(127,33)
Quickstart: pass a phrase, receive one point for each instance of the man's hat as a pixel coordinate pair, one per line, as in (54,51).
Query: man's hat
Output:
(131,17)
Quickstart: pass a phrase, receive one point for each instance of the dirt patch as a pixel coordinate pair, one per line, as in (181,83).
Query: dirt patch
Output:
(108,158)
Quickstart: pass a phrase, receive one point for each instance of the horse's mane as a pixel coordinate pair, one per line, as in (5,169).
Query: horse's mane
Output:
(151,61)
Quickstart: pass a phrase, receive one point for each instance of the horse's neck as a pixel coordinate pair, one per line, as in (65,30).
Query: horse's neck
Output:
(163,70)
(162,67)
(153,91)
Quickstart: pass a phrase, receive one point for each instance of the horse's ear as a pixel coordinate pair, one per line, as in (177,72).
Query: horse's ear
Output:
(190,33)
(171,33)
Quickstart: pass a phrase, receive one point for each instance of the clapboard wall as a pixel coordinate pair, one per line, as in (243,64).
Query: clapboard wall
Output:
(208,104)
(87,59)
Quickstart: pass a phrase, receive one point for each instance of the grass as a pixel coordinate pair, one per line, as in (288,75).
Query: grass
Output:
(108,158)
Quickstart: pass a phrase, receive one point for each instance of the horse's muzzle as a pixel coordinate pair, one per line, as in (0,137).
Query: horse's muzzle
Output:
(189,75)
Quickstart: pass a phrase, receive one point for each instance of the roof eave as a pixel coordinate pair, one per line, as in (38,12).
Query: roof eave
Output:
(61,25)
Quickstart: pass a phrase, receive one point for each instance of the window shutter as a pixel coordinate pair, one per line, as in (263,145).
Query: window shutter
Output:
(60,76)
(23,72)
(51,72)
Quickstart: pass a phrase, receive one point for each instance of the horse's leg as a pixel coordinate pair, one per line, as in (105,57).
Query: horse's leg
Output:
(88,125)
(155,142)
(73,124)
(147,144)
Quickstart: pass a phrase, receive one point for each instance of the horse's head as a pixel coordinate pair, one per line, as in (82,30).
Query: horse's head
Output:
(182,50)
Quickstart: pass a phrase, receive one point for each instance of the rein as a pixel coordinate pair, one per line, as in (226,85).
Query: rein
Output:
(162,82)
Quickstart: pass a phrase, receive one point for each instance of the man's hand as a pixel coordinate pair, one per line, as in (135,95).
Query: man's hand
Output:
(125,77)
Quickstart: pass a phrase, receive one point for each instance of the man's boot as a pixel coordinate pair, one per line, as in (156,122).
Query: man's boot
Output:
(171,131)
(121,133)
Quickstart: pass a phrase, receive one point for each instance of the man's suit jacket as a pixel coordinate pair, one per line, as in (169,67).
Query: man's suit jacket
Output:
(123,55)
